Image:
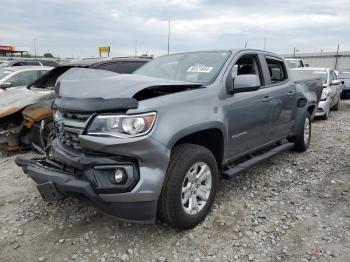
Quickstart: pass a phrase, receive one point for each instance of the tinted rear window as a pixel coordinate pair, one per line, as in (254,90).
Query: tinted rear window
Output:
(49,63)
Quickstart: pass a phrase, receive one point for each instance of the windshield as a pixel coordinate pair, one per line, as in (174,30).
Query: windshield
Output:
(198,67)
(4,73)
(6,64)
(308,74)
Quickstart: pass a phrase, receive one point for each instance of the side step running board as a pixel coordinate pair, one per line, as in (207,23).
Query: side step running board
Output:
(232,170)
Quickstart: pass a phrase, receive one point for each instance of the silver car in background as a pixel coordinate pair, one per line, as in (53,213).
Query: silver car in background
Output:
(20,75)
(332,88)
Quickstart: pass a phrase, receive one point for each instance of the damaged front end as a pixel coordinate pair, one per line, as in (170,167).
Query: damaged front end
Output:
(30,127)
(9,136)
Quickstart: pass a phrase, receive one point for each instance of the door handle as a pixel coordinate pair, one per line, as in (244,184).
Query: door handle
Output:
(266,98)
(290,93)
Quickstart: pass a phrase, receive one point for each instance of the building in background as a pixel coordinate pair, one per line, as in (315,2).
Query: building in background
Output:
(334,60)
(10,51)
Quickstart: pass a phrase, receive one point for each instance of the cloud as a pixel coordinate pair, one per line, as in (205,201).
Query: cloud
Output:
(78,27)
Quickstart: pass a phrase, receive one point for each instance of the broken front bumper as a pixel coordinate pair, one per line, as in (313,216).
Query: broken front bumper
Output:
(56,184)
(90,175)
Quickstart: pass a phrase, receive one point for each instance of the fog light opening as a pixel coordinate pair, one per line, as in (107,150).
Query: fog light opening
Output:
(119,176)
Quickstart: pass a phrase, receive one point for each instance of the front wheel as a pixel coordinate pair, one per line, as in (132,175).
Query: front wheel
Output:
(302,140)
(190,186)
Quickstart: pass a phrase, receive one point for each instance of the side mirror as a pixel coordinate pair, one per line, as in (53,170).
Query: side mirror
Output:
(335,83)
(5,85)
(246,83)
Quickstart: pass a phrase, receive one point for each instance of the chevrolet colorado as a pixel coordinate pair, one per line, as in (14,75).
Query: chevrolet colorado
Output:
(156,141)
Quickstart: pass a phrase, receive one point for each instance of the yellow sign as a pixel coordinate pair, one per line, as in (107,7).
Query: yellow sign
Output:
(104,49)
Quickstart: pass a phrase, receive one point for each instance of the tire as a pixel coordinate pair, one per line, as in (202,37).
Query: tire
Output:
(337,105)
(326,115)
(301,143)
(172,207)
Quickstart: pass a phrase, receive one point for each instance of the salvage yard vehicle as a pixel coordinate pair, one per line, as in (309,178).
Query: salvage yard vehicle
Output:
(344,78)
(158,139)
(26,112)
(20,76)
(332,89)
(29,63)
(294,63)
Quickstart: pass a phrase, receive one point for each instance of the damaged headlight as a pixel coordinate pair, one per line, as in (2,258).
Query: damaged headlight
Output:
(122,125)
(325,94)
(57,117)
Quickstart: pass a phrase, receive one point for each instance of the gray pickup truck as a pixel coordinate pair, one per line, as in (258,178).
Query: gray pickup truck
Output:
(158,140)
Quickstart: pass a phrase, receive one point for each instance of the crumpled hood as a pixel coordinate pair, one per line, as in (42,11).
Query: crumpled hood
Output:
(15,99)
(93,83)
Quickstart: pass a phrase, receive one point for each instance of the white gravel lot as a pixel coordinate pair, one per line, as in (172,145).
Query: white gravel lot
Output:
(294,207)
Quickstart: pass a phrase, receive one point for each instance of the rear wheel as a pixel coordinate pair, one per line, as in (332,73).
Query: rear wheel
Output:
(189,190)
(302,140)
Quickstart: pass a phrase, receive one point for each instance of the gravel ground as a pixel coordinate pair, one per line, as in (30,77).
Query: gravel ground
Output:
(294,207)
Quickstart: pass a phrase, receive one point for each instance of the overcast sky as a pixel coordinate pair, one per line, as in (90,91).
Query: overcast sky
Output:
(78,27)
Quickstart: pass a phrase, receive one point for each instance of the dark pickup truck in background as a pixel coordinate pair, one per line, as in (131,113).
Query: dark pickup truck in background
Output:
(158,140)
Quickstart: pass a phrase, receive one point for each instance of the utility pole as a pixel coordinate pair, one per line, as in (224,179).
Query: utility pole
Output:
(265,43)
(246,43)
(336,58)
(169,37)
(34,48)
(135,47)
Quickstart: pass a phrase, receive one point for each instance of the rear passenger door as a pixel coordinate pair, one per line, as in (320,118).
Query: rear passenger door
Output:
(282,96)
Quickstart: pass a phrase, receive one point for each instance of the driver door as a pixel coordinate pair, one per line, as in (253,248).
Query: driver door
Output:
(247,113)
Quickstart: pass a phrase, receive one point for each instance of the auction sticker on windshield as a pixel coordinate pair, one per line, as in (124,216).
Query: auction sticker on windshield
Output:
(200,69)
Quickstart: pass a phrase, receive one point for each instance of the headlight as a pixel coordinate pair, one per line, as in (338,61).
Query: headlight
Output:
(122,125)
(325,94)
(57,117)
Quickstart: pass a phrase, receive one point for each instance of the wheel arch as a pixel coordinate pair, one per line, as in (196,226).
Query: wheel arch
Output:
(211,136)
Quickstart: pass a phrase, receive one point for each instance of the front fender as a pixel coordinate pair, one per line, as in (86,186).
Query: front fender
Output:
(194,129)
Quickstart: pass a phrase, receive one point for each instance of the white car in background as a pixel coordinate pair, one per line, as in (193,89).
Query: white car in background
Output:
(295,63)
(332,88)
(16,76)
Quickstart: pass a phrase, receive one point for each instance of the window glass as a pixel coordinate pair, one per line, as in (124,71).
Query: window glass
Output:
(107,67)
(277,70)
(34,63)
(23,78)
(128,67)
(42,72)
(49,63)
(18,64)
(197,67)
(249,65)
(4,73)
(292,63)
